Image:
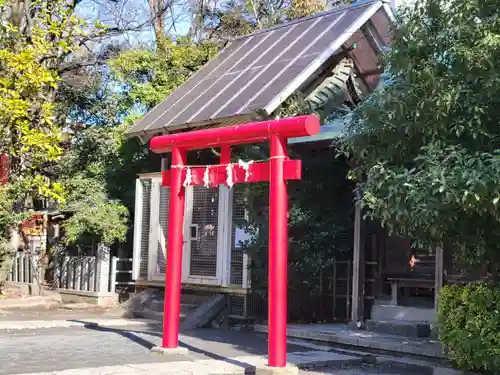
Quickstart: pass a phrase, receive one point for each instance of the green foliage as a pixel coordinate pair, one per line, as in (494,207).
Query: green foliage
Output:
(148,76)
(427,142)
(84,171)
(8,216)
(35,37)
(320,202)
(240,17)
(105,219)
(469,325)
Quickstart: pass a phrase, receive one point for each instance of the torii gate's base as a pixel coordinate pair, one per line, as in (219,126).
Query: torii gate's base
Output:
(277,171)
(287,370)
(169,351)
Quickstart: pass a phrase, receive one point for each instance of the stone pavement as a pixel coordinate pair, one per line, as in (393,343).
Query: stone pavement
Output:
(83,342)
(126,350)
(228,366)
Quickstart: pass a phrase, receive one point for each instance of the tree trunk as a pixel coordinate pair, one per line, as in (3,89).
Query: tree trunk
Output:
(157,10)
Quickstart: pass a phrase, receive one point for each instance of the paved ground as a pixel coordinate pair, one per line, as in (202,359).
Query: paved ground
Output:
(116,349)
(56,349)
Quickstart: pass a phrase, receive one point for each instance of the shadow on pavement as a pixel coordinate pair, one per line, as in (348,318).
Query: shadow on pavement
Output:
(132,335)
(124,333)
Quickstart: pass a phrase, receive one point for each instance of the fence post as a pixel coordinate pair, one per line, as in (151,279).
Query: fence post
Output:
(102,268)
(15,269)
(10,275)
(66,274)
(21,268)
(114,263)
(78,273)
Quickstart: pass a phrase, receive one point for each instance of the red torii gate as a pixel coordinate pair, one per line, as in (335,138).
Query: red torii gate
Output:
(277,170)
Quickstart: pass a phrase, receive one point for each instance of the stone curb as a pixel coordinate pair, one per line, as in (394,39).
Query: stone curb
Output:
(422,367)
(29,302)
(357,340)
(90,323)
(406,364)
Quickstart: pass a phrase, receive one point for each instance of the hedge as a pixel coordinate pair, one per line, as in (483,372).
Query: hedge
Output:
(469,326)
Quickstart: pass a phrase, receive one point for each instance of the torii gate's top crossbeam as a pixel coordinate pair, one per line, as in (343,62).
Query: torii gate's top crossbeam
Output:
(300,126)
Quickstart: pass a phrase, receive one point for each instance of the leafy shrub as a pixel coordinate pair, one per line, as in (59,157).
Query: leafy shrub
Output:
(469,325)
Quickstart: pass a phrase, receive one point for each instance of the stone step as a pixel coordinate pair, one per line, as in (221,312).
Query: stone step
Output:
(158,306)
(343,336)
(149,304)
(405,313)
(205,312)
(399,327)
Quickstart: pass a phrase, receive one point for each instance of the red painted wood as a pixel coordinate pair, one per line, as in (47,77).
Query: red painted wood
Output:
(300,126)
(278,253)
(277,171)
(172,305)
(4,168)
(259,172)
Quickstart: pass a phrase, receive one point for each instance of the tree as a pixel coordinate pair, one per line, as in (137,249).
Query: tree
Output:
(427,143)
(147,75)
(236,17)
(83,172)
(34,39)
(44,51)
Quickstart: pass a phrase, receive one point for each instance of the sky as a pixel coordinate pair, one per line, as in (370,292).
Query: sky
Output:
(129,14)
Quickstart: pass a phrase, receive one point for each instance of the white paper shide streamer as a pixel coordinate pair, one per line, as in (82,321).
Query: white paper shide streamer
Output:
(229,172)
(246,168)
(206,177)
(189,178)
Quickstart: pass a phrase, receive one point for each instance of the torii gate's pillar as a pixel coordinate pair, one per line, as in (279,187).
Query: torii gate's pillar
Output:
(278,253)
(174,254)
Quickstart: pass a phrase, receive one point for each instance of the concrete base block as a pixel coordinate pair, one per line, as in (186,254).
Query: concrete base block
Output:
(406,313)
(169,351)
(103,299)
(400,328)
(28,289)
(287,370)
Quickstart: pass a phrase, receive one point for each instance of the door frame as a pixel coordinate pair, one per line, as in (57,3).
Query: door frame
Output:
(224,225)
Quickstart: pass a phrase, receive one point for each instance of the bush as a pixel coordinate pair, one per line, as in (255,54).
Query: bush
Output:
(469,325)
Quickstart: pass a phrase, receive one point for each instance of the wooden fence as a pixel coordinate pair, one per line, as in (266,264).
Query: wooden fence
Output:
(80,273)
(23,269)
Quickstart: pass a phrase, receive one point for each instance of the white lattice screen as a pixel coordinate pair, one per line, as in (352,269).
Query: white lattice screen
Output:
(237,254)
(212,227)
(163,229)
(204,221)
(142,228)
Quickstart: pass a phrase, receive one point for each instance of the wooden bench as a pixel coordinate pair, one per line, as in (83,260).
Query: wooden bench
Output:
(408,280)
